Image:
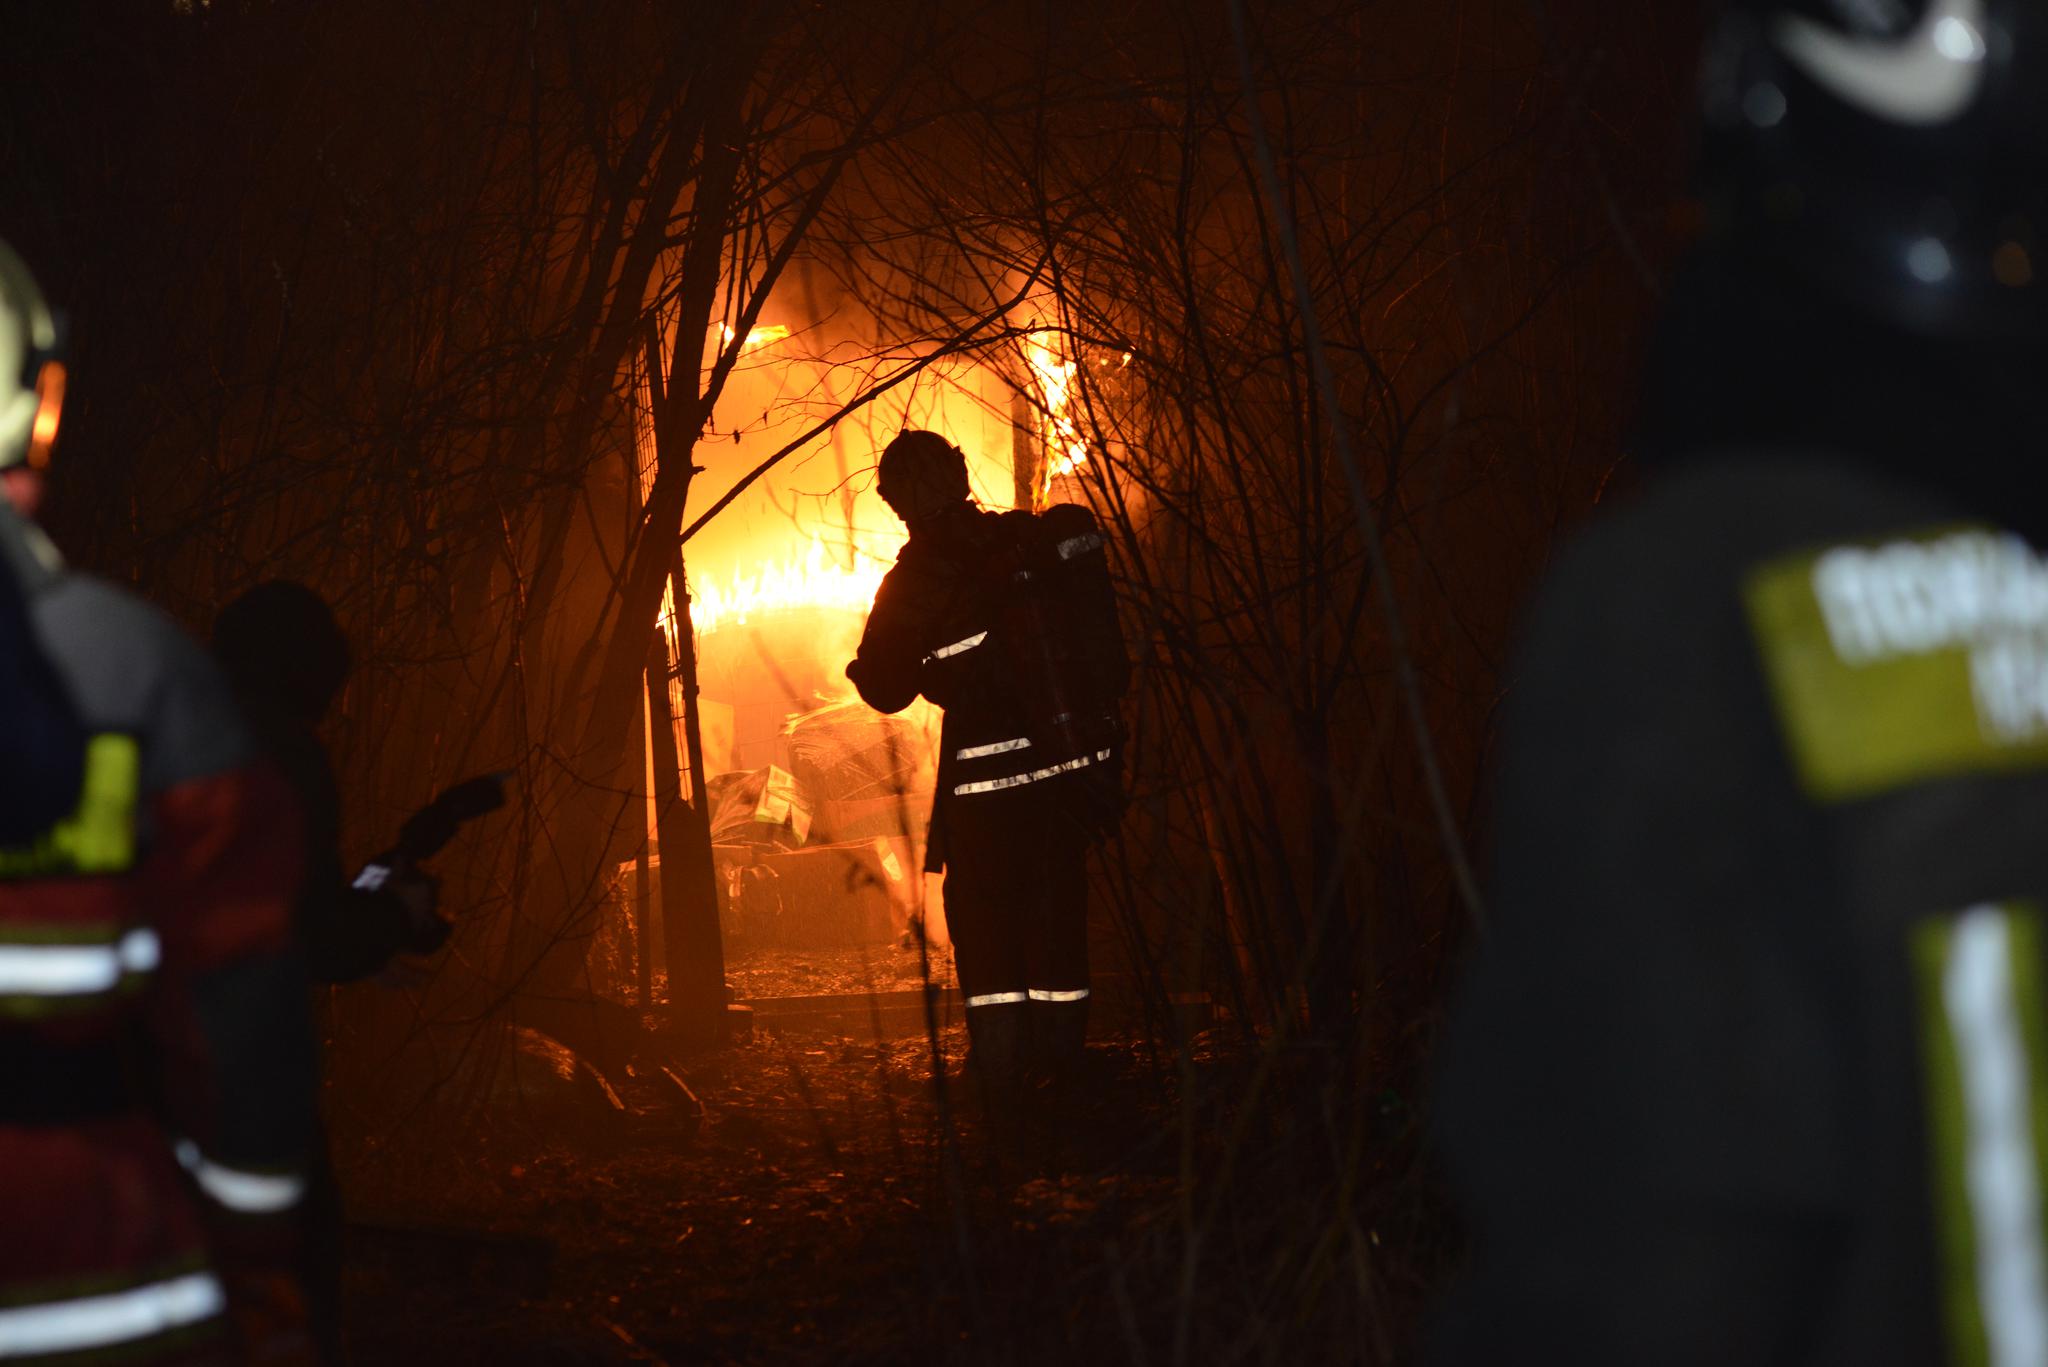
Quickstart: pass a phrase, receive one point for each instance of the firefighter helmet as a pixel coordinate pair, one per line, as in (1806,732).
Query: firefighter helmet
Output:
(31,373)
(1894,150)
(921,473)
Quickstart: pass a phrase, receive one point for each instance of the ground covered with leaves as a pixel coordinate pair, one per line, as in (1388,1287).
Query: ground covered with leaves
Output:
(802,1198)
(769,973)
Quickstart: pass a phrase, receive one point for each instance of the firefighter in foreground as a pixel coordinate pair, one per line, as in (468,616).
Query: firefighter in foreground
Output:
(1008,622)
(41,746)
(158,1097)
(1752,1067)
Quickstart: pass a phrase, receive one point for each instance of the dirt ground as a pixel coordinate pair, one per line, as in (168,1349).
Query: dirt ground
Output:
(807,1200)
(811,1198)
(753,974)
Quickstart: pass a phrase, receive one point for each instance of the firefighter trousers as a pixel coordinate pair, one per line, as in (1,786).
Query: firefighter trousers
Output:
(1017,908)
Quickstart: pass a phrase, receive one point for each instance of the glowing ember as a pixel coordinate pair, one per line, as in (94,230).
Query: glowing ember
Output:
(816,577)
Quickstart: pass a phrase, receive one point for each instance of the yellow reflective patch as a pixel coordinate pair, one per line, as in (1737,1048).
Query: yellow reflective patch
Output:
(1984,1058)
(1918,658)
(99,836)
(1948,1146)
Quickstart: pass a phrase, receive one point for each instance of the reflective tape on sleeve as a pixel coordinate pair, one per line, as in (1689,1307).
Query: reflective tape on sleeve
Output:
(110,1318)
(76,970)
(1980,998)
(238,1189)
(1000,747)
(991,785)
(1048,994)
(1080,545)
(373,877)
(948,652)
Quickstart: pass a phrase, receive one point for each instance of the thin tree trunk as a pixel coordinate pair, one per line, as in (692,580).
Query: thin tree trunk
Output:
(643,895)
(696,945)
(687,991)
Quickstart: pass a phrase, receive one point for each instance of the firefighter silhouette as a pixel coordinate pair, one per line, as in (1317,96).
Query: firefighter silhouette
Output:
(1008,622)
(1752,1063)
(288,660)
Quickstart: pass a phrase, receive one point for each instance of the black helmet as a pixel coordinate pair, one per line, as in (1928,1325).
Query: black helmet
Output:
(279,641)
(921,473)
(1895,151)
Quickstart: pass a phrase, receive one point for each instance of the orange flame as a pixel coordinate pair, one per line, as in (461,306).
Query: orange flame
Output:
(842,543)
(766,335)
(1065,451)
(819,576)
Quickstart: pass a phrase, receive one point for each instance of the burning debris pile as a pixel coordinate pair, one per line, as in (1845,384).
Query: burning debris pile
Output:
(817,804)
(822,845)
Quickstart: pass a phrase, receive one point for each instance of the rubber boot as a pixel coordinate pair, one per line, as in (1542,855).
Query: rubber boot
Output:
(1059,1034)
(996,1041)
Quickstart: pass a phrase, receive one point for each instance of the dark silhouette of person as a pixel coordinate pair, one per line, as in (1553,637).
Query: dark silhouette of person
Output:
(288,660)
(1008,622)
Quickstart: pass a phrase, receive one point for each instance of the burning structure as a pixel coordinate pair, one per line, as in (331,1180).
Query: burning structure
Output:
(413,343)
(816,806)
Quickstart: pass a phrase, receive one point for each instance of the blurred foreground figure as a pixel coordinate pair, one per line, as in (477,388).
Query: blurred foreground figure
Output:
(155,1065)
(41,746)
(1008,622)
(1753,1068)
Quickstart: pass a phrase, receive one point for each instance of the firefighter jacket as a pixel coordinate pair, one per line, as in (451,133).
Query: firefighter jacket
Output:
(347,931)
(41,746)
(1753,1063)
(949,623)
(159,1089)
